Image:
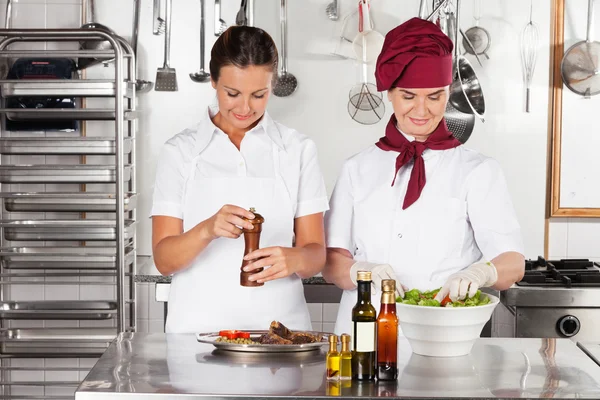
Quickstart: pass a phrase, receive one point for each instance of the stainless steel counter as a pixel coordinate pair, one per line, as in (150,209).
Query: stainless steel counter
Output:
(168,366)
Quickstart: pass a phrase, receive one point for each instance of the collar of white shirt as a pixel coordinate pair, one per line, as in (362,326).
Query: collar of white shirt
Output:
(206,129)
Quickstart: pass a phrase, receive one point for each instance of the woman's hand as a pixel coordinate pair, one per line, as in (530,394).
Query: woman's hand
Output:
(227,222)
(280,262)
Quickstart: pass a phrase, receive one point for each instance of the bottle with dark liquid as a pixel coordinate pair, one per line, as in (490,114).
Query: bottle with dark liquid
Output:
(387,333)
(363,331)
(251,240)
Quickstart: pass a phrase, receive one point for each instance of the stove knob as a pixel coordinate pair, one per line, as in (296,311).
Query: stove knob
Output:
(568,325)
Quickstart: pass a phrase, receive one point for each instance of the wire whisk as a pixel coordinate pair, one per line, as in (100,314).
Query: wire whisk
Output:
(529,44)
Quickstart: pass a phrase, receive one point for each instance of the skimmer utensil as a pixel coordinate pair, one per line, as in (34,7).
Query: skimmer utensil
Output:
(529,42)
(286,83)
(579,67)
(166,77)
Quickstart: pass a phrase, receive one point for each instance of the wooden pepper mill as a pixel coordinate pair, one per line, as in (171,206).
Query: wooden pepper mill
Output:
(252,240)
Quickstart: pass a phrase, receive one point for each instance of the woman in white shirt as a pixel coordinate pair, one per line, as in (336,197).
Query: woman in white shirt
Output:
(209,176)
(417,206)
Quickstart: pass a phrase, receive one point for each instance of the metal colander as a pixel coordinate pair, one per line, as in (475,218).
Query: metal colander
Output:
(460,124)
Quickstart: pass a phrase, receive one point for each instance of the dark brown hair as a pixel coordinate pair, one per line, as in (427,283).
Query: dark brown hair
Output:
(243,46)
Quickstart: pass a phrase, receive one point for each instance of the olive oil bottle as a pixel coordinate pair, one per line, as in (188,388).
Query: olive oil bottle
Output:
(387,333)
(346,358)
(363,331)
(333,360)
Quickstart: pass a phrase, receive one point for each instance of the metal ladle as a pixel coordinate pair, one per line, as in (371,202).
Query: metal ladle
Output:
(201,76)
(286,83)
(141,86)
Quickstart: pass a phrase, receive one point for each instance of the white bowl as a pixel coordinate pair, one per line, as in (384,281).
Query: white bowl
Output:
(444,331)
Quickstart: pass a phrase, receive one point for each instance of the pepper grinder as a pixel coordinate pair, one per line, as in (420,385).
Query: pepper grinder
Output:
(252,239)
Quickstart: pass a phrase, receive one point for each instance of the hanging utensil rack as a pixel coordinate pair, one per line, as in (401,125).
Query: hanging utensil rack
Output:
(83,247)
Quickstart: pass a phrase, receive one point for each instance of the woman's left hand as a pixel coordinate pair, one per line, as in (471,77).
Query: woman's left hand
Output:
(280,262)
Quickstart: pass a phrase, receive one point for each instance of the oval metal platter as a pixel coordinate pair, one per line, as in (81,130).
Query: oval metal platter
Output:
(211,338)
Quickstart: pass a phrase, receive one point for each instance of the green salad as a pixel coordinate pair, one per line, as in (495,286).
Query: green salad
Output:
(418,298)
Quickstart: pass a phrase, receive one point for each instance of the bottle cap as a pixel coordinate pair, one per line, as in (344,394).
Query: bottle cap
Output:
(333,339)
(345,338)
(388,285)
(364,275)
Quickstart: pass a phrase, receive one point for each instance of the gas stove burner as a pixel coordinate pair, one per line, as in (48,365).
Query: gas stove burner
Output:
(561,273)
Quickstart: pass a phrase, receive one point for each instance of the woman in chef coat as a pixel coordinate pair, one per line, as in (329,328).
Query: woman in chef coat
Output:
(417,206)
(210,175)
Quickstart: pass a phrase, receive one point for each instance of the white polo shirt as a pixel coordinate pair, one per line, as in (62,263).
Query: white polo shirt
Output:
(464,213)
(218,157)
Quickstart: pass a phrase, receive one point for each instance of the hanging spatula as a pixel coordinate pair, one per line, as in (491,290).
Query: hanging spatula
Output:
(166,77)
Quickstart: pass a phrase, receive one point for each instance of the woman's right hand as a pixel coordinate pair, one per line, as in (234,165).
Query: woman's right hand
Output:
(227,222)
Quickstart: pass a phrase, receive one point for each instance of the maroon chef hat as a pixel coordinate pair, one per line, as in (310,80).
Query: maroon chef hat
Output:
(416,54)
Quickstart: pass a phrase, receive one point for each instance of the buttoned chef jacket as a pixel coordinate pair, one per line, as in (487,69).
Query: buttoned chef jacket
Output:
(200,168)
(464,213)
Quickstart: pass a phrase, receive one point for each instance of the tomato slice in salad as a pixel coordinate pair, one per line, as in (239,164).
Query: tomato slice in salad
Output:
(446,300)
(234,334)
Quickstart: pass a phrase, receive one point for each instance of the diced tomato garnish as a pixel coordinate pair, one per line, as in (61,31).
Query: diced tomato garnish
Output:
(234,334)
(446,300)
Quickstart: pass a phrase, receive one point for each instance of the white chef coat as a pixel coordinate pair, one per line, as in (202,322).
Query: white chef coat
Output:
(464,213)
(275,170)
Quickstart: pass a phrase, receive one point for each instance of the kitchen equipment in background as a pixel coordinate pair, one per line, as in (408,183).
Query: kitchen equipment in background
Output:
(166,77)
(460,124)
(202,76)
(4,64)
(250,12)
(141,86)
(529,43)
(332,10)
(579,66)
(220,25)
(84,63)
(367,44)
(41,69)
(556,298)
(158,23)
(479,38)
(286,83)
(366,105)
(466,94)
(240,18)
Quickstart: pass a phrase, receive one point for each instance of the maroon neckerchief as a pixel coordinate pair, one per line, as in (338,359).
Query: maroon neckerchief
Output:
(440,139)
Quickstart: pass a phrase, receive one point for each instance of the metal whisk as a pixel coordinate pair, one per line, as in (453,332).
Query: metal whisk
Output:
(529,42)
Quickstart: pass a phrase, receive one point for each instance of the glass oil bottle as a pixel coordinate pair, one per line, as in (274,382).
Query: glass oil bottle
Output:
(333,359)
(387,333)
(346,358)
(364,328)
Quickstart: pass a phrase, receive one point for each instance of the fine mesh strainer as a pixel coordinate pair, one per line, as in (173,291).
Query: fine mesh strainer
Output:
(579,67)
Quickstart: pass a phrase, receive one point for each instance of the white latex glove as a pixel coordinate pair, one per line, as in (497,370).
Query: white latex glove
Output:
(467,281)
(379,272)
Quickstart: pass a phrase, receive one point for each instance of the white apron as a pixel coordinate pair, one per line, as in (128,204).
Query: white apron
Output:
(207,296)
